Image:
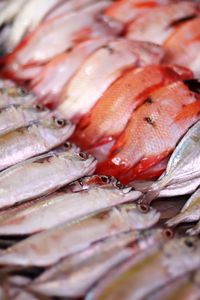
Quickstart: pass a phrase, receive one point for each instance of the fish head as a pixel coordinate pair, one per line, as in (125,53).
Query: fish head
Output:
(53,129)
(138,219)
(182,254)
(79,161)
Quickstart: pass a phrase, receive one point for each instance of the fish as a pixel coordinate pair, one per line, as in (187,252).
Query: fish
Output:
(53,77)
(127,11)
(28,18)
(10,10)
(164,118)
(43,174)
(62,206)
(189,213)
(67,30)
(16,116)
(15,95)
(184,288)
(183,45)
(37,138)
(71,277)
(133,279)
(159,23)
(100,70)
(41,249)
(111,113)
(182,166)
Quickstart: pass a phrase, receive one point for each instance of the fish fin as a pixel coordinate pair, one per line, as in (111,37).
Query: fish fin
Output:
(189,111)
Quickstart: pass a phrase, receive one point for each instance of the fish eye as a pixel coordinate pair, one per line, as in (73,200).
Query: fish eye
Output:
(105,179)
(168,233)
(21,91)
(189,243)
(144,208)
(67,145)
(39,107)
(60,122)
(83,155)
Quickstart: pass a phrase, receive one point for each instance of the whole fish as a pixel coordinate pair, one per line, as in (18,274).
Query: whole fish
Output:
(60,207)
(153,131)
(189,213)
(33,140)
(183,46)
(50,82)
(184,288)
(14,117)
(101,69)
(49,246)
(110,115)
(66,30)
(183,166)
(43,174)
(159,23)
(71,277)
(14,95)
(137,279)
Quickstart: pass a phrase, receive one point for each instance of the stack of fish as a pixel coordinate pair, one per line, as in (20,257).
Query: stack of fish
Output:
(119,81)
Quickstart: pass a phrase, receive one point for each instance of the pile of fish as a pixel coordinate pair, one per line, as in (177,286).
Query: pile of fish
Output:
(100,149)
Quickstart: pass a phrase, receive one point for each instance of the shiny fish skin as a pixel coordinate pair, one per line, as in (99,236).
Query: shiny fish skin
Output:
(101,69)
(63,206)
(10,10)
(14,117)
(13,95)
(42,175)
(33,140)
(182,166)
(190,211)
(72,276)
(133,280)
(42,248)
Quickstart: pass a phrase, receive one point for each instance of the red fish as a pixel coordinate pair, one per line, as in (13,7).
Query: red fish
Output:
(183,46)
(158,24)
(111,113)
(153,131)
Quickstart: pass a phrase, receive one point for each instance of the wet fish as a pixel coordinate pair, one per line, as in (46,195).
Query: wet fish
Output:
(62,206)
(43,174)
(101,69)
(14,117)
(133,279)
(42,248)
(14,95)
(110,115)
(164,118)
(71,277)
(183,46)
(157,25)
(183,166)
(10,10)
(33,140)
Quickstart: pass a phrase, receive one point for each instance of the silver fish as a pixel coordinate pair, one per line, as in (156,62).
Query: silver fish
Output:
(189,213)
(60,207)
(47,247)
(182,167)
(37,138)
(72,276)
(136,279)
(15,95)
(42,175)
(14,117)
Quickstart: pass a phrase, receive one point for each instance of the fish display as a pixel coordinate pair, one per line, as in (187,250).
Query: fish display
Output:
(99,140)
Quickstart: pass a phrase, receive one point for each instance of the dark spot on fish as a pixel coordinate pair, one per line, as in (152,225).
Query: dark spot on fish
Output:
(149,100)
(110,49)
(144,208)
(150,121)
(168,233)
(182,20)
(40,107)
(105,179)
(131,244)
(83,155)
(67,145)
(60,122)
(193,85)
(189,243)
(118,184)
